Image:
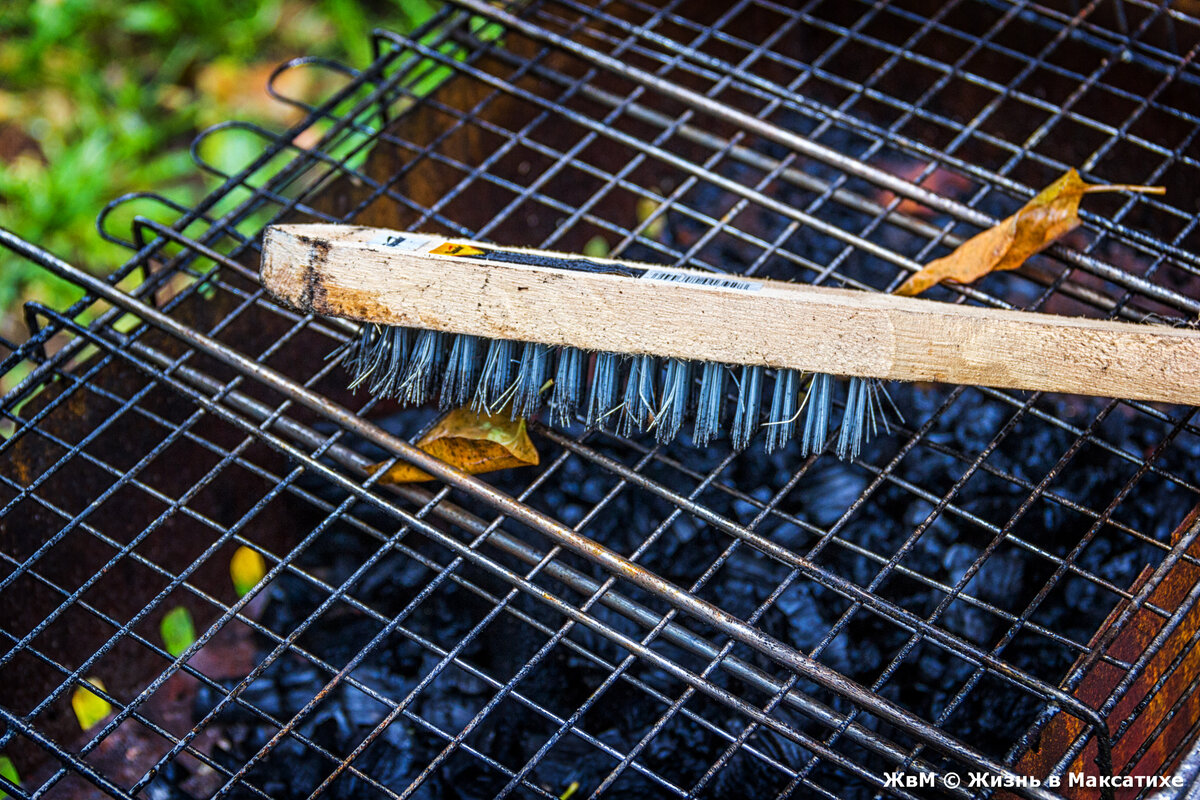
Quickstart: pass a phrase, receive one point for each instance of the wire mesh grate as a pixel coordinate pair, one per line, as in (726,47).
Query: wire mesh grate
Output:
(778,625)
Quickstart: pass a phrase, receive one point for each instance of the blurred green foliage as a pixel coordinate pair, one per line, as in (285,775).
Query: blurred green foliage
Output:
(102,98)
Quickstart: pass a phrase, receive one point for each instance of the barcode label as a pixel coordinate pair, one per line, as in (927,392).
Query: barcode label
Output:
(438,246)
(701,280)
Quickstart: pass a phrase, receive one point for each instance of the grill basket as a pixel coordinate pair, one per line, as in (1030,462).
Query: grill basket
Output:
(1002,590)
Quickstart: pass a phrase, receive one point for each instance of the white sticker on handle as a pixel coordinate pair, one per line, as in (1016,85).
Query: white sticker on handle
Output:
(407,242)
(701,280)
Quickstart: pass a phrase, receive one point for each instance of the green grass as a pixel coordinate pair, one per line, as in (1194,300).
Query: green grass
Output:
(99,99)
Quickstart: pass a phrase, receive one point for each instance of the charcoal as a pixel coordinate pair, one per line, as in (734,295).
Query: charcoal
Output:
(388,765)
(571,513)
(991,716)
(802,610)
(892,523)
(829,492)
(165,785)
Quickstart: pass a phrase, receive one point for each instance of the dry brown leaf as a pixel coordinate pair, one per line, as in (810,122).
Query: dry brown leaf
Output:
(475,443)
(1007,244)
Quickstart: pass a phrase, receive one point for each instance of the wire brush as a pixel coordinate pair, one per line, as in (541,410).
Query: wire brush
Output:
(472,323)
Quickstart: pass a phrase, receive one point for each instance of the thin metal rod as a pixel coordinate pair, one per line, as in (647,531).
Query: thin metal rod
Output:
(839,194)
(815,150)
(557,570)
(903,617)
(468,552)
(609,560)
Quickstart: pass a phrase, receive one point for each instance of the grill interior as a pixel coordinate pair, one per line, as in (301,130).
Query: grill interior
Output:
(1003,585)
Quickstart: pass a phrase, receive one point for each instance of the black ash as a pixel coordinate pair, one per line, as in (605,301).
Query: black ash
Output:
(972,568)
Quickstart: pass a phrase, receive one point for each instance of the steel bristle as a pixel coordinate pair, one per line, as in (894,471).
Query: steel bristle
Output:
(853,420)
(878,389)
(677,385)
(708,403)
(781,423)
(639,395)
(531,376)
(865,413)
(363,355)
(359,351)
(496,376)
(568,378)
(424,367)
(819,404)
(388,361)
(415,365)
(603,395)
(458,382)
(749,403)
(400,343)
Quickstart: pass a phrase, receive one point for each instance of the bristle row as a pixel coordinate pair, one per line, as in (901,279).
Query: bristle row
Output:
(625,394)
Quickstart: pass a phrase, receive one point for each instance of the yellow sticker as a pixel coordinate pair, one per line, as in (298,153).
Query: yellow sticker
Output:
(451,249)
(90,708)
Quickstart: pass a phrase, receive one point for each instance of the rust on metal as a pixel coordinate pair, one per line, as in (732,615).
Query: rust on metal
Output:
(1157,712)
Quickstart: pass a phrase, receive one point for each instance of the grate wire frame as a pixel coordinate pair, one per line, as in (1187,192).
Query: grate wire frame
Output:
(287,181)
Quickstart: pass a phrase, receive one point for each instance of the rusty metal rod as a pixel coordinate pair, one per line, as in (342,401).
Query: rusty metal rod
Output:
(852,166)
(580,582)
(616,564)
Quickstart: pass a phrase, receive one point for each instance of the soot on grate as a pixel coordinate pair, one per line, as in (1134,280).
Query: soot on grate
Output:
(991,717)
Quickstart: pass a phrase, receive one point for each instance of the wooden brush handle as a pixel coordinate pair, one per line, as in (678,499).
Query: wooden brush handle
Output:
(396,278)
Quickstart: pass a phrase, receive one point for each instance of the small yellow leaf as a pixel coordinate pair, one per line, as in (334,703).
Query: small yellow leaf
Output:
(645,209)
(596,247)
(1006,245)
(9,771)
(177,629)
(475,443)
(89,707)
(246,568)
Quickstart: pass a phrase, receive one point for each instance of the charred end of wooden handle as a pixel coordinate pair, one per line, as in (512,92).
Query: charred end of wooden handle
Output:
(292,268)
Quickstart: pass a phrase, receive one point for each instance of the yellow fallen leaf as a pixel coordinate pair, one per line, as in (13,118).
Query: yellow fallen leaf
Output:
(89,707)
(9,771)
(246,569)
(1007,244)
(178,630)
(596,247)
(475,443)
(645,208)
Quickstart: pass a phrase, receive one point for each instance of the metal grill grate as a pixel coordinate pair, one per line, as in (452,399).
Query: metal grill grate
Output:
(940,605)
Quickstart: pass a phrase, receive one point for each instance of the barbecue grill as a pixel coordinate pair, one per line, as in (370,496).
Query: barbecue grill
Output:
(997,599)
